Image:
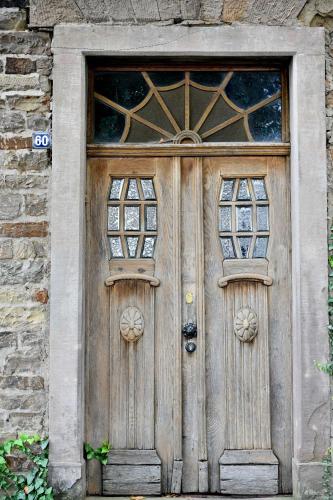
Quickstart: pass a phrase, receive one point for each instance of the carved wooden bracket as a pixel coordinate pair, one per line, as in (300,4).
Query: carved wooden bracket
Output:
(111,280)
(225,280)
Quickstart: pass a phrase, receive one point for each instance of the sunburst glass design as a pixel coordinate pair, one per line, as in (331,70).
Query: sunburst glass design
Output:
(215,106)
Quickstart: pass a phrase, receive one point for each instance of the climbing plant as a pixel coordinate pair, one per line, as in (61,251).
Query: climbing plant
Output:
(30,484)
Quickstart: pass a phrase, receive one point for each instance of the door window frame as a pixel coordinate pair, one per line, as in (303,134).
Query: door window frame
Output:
(72,44)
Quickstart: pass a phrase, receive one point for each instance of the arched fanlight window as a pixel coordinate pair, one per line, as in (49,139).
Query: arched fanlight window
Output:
(216,106)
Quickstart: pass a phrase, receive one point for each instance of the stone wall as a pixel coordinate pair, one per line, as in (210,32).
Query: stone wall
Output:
(25,95)
(25,91)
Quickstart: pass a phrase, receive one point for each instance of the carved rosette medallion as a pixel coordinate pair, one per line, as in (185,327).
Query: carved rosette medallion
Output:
(131,324)
(246,324)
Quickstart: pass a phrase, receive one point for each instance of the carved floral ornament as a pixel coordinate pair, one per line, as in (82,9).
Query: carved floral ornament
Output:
(131,324)
(246,324)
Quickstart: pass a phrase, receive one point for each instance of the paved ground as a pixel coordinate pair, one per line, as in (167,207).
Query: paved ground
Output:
(197,497)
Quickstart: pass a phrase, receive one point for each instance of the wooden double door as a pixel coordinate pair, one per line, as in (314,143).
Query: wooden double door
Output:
(188,370)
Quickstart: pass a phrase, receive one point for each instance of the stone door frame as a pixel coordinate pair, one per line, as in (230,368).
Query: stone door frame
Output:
(311,392)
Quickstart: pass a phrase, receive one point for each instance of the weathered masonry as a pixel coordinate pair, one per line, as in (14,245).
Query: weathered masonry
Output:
(163,267)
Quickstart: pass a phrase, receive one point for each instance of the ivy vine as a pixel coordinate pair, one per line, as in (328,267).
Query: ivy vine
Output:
(30,485)
(100,454)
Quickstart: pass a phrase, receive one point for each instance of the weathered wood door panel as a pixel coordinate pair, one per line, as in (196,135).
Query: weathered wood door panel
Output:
(216,418)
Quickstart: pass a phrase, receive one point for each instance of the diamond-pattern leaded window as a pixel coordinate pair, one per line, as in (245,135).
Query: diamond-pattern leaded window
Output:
(132,218)
(215,106)
(244,218)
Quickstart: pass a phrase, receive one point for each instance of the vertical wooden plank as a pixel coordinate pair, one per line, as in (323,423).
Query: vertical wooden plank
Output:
(97,326)
(167,322)
(280,316)
(215,349)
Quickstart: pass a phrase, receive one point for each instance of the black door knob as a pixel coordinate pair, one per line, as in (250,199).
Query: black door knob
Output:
(190,330)
(190,346)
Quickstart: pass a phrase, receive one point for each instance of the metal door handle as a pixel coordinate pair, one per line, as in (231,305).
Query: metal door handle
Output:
(189,330)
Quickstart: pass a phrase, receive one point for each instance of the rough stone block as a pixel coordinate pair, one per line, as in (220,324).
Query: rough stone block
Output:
(22,383)
(19,82)
(21,272)
(44,66)
(24,160)
(25,42)
(24,229)
(40,104)
(15,142)
(20,65)
(10,205)
(38,122)
(24,249)
(11,121)
(35,204)
(24,182)
(6,250)
(12,18)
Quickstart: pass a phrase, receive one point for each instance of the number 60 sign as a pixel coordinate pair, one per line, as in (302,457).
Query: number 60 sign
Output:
(41,140)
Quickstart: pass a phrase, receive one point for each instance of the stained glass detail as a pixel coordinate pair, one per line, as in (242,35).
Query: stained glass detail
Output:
(244,219)
(260,248)
(150,217)
(262,218)
(148,247)
(228,248)
(116,247)
(132,218)
(116,189)
(259,189)
(244,246)
(148,189)
(113,218)
(132,245)
(243,190)
(227,189)
(225,218)
(155,106)
(132,190)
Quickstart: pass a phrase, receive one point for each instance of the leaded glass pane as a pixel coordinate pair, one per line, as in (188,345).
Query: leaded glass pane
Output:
(132,190)
(244,246)
(113,218)
(132,245)
(259,189)
(247,88)
(208,78)
(151,218)
(132,218)
(148,189)
(227,189)
(265,123)
(116,188)
(148,247)
(244,218)
(116,247)
(262,218)
(225,218)
(260,248)
(228,248)
(243,190)
(162,101)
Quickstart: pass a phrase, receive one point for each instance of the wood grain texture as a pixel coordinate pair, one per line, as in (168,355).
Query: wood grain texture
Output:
(132,480)
(176,481)
(133,457)
(249,479)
